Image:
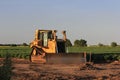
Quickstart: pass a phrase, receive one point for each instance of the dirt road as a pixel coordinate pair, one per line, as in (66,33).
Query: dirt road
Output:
(24,70)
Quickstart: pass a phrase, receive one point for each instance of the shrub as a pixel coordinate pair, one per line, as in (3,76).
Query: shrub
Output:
(6,69)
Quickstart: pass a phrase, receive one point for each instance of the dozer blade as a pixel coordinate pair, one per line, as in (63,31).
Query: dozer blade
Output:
(66,58)
(37,59)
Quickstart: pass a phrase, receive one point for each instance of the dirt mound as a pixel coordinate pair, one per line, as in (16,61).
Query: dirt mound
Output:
(115,63)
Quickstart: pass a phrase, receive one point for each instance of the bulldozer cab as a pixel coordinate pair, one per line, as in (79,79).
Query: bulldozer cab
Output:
(43,36)
(47,40)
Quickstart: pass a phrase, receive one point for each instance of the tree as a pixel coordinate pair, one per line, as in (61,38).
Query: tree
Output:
(68,43)
(76,43)
(113,44)
(13,45)
(25,44)
(81,43)
(100,44)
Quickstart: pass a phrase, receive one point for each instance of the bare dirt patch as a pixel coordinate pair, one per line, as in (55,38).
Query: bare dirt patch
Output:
(24,70)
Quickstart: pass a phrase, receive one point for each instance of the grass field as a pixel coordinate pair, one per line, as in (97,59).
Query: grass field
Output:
(103,49)
(19,51)
(26,50)
(98,53)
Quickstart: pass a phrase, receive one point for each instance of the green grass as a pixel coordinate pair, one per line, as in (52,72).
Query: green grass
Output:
(24,51)
(19,51)
(104,49)
(98,53)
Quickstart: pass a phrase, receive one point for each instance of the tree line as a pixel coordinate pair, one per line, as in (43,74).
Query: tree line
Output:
(83,43)
(77,43)
(23,44)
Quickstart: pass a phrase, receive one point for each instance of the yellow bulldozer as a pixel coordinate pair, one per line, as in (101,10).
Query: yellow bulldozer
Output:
(47,48)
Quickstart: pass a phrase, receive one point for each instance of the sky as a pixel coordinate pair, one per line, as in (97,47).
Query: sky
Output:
(96,21)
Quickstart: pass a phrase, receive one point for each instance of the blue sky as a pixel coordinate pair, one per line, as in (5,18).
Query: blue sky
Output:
(96,21)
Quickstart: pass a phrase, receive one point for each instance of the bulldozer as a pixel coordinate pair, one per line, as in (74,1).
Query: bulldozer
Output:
(47,48)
